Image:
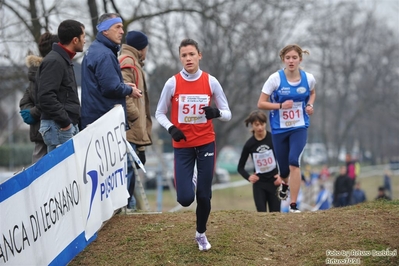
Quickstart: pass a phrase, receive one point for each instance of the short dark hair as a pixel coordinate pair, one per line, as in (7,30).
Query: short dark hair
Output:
(46,41)
(69,29)
(187,42)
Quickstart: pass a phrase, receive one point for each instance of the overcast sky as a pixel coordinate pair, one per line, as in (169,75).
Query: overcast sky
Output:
(388,10)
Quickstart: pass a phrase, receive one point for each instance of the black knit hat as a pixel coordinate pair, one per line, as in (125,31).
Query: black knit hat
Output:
(136,39)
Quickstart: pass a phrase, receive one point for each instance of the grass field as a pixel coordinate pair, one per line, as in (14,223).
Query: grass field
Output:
(241,236)
(246,238)
(240,198)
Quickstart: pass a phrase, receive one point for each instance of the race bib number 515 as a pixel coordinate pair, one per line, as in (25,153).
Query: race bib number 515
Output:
(190,108)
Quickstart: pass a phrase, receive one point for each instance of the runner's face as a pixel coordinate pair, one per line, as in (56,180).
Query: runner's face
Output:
(115,33)
(258,127)
(189,57)
(292,60)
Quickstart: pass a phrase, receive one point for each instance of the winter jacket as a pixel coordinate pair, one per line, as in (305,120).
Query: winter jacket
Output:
(137,109)
(28,99)
(57,92)
(102,83)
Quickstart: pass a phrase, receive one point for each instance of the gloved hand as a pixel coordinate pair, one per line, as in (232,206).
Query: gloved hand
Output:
(27,117)
(176,134)
(141,156)
(211,112)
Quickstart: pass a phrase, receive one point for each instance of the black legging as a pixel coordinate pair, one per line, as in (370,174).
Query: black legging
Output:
(265,194)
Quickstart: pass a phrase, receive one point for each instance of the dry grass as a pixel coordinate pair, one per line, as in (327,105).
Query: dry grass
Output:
(241,236)
(247,237)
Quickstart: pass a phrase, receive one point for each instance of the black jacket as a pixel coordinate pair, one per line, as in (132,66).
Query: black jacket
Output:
(28,99)
(57,93)
(343,184)
(251,146)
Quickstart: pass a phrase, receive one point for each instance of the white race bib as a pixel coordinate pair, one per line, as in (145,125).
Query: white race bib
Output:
(292,117)
(264,162)
(190,111)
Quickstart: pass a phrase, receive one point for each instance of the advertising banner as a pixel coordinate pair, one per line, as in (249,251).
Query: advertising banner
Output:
(51,211)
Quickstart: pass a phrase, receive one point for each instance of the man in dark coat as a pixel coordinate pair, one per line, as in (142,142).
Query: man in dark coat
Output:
(57,93)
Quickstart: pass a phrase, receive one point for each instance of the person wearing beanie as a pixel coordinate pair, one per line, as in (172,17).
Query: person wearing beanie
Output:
(137,39)
(131,60)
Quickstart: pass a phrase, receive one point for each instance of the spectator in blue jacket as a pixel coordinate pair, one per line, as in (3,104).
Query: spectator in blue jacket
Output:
(358,194)
(102,83)
(323,201)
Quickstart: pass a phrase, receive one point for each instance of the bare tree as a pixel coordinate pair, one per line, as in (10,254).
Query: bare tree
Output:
(357,74)
(240,41)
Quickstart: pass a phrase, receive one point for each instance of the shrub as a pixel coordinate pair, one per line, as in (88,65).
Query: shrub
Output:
(16,155)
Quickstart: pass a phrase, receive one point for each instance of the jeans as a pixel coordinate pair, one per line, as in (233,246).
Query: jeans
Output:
(342,200)
(53,135)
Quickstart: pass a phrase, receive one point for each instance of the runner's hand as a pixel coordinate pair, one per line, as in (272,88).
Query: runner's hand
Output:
(211,112)
(176,133)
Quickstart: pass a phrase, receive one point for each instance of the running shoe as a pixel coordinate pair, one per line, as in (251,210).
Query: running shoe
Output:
(282,192)
(202,242)
(293,208)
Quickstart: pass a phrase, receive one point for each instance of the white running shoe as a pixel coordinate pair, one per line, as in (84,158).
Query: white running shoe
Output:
(293,208)
(202,242)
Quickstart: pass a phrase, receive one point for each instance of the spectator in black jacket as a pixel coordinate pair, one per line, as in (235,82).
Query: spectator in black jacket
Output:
(28,110)
(381,194)
(342,189)
(57,93)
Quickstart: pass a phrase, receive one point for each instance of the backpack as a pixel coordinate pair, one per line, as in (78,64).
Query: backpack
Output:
(133,67)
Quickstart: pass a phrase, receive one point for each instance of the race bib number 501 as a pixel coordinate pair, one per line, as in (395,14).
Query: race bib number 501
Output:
(292,117)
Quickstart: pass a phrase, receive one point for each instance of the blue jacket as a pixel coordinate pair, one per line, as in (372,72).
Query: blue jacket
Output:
(102,82)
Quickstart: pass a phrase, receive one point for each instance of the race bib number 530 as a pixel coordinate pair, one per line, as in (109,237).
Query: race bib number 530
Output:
(264,162)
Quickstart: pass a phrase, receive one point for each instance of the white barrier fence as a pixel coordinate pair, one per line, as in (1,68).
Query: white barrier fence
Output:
(52,210)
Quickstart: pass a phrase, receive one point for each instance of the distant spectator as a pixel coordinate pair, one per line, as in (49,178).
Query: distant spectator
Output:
(358,195)
(324,173)
(342,189)
(387,183)
(350,168)
(323,201)
(381,194)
